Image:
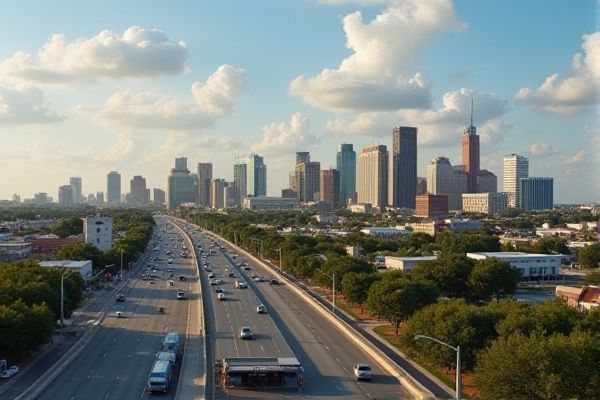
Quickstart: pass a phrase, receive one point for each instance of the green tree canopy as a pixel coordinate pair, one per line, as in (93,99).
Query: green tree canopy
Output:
(65,227)
(589,256)
(493,278)
(450,273)
(538,368)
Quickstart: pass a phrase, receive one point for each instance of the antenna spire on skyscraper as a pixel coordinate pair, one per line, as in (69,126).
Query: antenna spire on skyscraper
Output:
(471,111)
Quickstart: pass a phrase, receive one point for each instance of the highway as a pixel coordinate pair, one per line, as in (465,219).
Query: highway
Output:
(118,359)
(291,327)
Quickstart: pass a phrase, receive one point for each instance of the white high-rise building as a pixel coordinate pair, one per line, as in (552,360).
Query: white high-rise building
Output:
(98,231)
(372,176)
(444,178)
(515,168)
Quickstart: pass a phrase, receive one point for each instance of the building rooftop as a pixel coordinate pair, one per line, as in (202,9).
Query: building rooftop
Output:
(509,254)
(64,264)
(421,258)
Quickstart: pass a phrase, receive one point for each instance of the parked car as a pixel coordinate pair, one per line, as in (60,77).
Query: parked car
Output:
(261,309)
(362,371)
(246,333)
(9,372)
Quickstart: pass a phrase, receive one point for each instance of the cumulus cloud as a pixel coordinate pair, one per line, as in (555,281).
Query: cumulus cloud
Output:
(213,99)
(138,52)
(437,127)
(23,105)
(281,138)
(542,149)
(578,91)
(574,162)
(376,75)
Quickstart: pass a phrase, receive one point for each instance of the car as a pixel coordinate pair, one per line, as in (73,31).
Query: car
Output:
(211,276)
(119,314)
(253,276)
(214,282)
(258,279)
(151,282)
(241,285)
(219,289)
(171,283)
(120,298)
(181,295)
(362,372)
(9,372)
(161,310)
(170,261)
(247,268)
(274,281)
(261,309)
(231,274)
(246,333)
(221,296)
(182,277)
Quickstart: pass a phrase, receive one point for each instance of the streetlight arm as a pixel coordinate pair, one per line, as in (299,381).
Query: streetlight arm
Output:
(435,340)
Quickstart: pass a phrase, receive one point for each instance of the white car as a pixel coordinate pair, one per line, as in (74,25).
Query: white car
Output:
(221,296)
(362,371)
(241,285)
(9,372)
(261,309)
(181,295)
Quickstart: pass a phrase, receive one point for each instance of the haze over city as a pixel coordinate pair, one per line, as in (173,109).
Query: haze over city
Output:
(90,88)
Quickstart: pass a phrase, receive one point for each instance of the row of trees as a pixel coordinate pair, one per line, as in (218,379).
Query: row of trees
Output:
(517,351)
(30,303)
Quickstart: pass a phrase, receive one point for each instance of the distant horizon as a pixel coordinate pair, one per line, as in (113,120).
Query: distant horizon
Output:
(129,86)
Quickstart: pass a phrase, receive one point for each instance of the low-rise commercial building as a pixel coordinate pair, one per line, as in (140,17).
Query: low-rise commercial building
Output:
(385,232)
(83,267)
(406,263)
(531,266)
(270,203)
(484,203)
(13,251)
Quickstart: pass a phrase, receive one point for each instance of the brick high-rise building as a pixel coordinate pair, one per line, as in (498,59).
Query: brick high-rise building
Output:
(431,205)
(470,154)
(330,187)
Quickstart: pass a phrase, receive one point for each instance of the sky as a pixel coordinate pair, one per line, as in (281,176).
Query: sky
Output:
(91,87)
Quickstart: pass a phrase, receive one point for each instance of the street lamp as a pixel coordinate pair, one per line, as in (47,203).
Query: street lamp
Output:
(458,374)
(122,251)
(333,278)
(280,261)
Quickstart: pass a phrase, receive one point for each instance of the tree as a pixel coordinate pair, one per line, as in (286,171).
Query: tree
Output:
(355,286)
(589,256)
(397,299)
(450,273)
(68,226)
(592,277)
(549,245)
(536,367)
(493,278)
(81,252)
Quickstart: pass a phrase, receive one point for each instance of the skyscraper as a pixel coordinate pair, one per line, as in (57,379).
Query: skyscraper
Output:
(307,177)
(240,176)
(158,196)
(139,195)
(217,193)
(346,166)
(536,193)
(205,174)
(403,168)
(65,196)
(100,197)
(444,178)
(487,182)
(470,154)
(113,187)
(330,187)
(75,183)
(372,176)
(257,176)
(515,168)
(182,186)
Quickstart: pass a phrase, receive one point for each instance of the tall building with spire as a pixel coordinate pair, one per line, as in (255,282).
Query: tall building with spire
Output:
(470,154)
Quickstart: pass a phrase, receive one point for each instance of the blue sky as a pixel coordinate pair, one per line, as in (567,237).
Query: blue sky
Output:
(130,85)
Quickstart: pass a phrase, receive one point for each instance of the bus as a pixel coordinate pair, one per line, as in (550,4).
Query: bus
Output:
(171,342)
(160,376)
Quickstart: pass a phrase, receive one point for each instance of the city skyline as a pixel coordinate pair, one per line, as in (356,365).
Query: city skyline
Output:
(179,91)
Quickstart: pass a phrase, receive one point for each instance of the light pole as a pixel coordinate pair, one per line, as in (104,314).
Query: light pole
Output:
(280,261)
(260,252)
(122,251)
(458,374)
(333,279)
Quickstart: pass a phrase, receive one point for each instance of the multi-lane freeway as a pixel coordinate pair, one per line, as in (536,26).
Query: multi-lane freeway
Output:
(291,327)
(117,361)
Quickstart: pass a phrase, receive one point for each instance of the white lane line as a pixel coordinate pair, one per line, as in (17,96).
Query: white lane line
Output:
(107,395)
